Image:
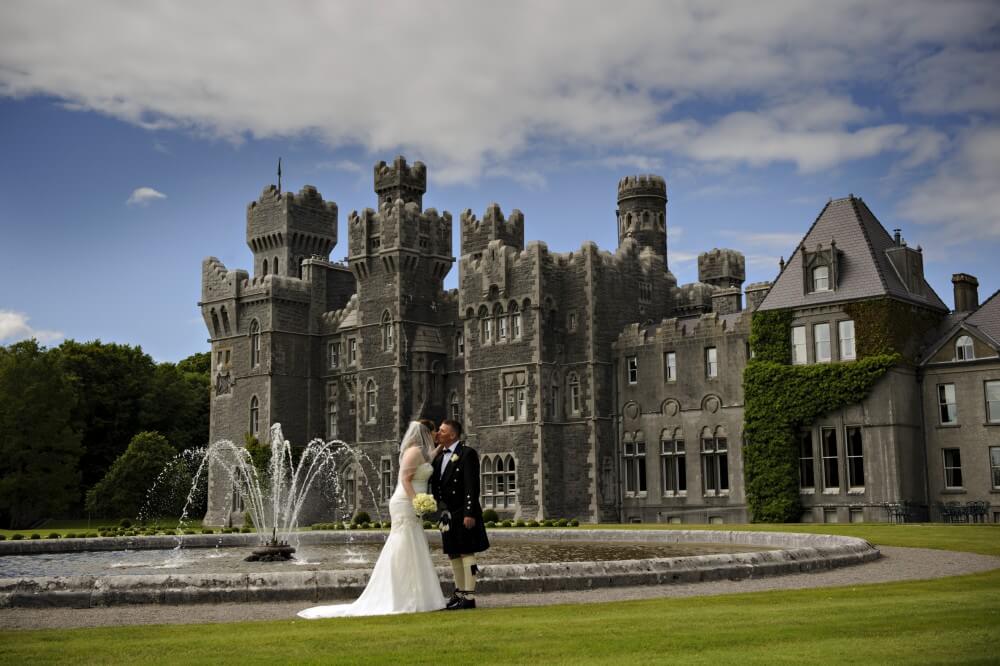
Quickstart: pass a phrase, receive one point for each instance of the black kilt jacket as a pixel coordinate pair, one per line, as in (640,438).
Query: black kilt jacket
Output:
(458,492)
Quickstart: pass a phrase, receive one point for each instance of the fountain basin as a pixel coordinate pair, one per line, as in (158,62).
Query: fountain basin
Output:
(791,553)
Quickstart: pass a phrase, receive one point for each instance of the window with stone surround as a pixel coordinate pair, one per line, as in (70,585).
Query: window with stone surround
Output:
(254,343)
(632,369)
(964,351)
(855,459)
(501,322)
(350,490)
(952,459)
(460,344)
(352,351)
(821,278)
(711,362)
(571,322)
(947,406)
(485,326)
(515,321)
(555,412)
(498,481)
(385,478)
(645,292)
(799,345)
(573,386)
(715,461)
(333,354)
(845,336)
(670,366)
(254,416)
(992,391)
(371,401)
(995,467)
(821,341)
(332,416)
(673,463)
(515,396)
(455,407)
(807,461)
(634,462)
(387,336)
(831,460)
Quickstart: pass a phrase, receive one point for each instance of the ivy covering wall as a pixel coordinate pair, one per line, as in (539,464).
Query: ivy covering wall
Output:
(781,399)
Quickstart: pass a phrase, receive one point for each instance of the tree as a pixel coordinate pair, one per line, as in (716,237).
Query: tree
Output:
(123,490)
(176,403)
(111,382)
(39,449)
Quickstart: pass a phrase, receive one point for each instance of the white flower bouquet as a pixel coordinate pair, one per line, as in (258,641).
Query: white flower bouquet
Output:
(424,504)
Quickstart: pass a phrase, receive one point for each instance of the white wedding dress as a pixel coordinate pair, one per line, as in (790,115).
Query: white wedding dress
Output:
(404,579)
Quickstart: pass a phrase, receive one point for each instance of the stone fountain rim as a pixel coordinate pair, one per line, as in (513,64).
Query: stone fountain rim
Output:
(793,553)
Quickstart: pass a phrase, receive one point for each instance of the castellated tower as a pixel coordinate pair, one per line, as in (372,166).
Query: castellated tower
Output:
(284,229)
(400,181)
(642,212)
(477,234)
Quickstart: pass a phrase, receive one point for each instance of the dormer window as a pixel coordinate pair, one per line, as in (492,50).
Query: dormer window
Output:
(964,350)
(820,268)
(821,278)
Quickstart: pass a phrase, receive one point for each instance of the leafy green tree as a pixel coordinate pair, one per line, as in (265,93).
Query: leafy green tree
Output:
(111,382)
(176,402)
(123,490)
(39,450)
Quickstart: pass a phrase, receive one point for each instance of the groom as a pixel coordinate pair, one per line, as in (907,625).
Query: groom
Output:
(455,485)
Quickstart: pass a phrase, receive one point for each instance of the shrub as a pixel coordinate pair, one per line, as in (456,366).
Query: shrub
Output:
(71,535)
(562,522)
(3,537)
(574,523)
(125,522)
(361,517)
(531,523)
(36,535)
(490,523)
(246,530)
(91,535)
(506,523)
(490,516)
(188,531)
(428,525)
(53,535)
(125,486)
(518,523)
(207,530)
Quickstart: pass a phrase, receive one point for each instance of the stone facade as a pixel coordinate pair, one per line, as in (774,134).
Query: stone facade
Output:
(591,383)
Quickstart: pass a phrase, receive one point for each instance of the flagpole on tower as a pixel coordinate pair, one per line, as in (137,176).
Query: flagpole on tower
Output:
(279,175)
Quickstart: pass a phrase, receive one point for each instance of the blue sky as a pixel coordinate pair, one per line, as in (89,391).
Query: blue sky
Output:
(133,135)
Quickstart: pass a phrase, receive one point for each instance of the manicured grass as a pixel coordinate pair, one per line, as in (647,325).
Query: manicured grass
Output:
(952,620)
(64,527)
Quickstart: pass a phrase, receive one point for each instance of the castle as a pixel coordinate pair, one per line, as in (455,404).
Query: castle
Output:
(590,382)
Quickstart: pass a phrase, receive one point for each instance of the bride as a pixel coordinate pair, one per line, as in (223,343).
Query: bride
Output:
(404,579)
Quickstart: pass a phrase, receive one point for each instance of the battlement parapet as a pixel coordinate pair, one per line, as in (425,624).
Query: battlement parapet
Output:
(477,234)
(218,282)
(706,325)
(693,298)
(305,220)
(647,185)
(399,225)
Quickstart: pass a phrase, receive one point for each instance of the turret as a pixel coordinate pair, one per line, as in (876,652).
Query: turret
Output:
(642,212)
(284,229)
(400,181)
(722,268)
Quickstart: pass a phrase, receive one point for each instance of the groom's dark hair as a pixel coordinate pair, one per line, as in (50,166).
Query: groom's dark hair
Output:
(455,425)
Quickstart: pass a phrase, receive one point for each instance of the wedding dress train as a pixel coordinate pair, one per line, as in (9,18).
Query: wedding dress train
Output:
(404,579)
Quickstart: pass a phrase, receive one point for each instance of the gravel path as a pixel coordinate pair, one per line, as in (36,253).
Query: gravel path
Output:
(896,564)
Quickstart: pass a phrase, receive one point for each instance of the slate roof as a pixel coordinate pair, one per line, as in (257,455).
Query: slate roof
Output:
(983,322)
(864,269)
(986,318)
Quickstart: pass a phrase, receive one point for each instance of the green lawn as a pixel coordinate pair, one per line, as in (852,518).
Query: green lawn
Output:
(942,621)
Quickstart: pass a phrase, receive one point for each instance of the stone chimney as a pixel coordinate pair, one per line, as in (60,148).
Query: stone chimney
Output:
(966,292)
(756,293)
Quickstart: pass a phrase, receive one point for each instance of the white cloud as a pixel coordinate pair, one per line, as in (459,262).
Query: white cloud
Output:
(141,196)
(962,199)
(348,166)
(773,240)
(470,87)
(14,327)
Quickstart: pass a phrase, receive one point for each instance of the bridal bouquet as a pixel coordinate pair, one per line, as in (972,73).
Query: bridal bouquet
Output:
(424,504)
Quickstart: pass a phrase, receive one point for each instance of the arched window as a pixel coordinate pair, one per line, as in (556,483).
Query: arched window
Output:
(263,268)
(555,411)
(573,386)
(487,481)
(332,417)
(225,321)
(964,350)
(275,269)
(715,461)
(254,416)
(515,321)
(371,399)
(498,481)
(501,322)
(387,341)
(511,498)
(821,278)
(254,343)
(460,344)
(486,325)
(215,323)
(455,406)
(302,263)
